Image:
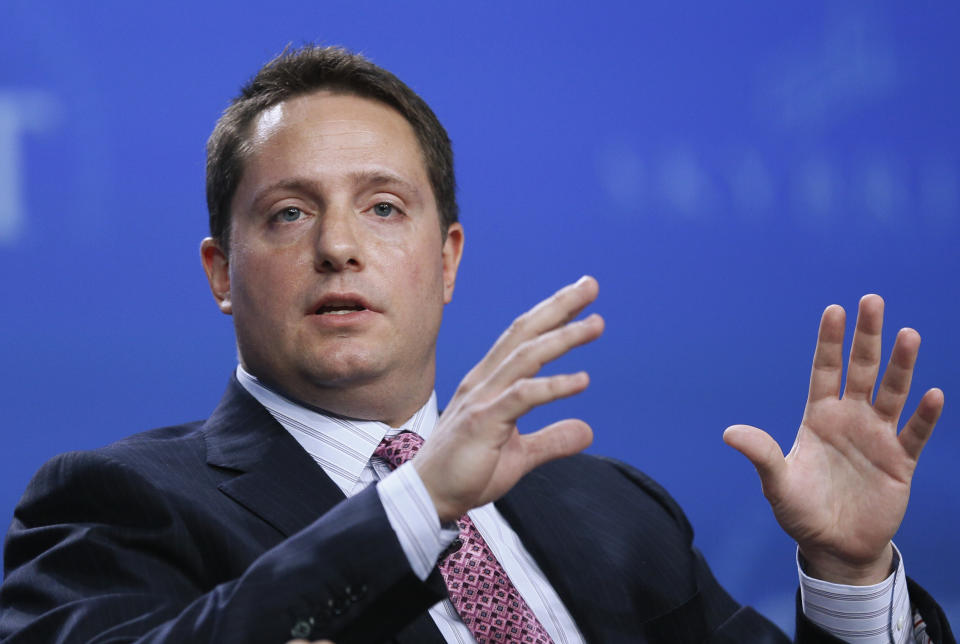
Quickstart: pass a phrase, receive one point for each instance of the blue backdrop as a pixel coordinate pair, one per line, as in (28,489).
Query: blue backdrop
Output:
(726,170)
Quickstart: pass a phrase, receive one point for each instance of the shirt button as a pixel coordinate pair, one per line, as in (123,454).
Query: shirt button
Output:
(302,628)
(900,623)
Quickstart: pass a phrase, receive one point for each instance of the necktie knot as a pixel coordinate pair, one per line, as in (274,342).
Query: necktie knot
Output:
(398,449)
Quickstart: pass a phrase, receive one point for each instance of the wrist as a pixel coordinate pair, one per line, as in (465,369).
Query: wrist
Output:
(835,569)
(447,512)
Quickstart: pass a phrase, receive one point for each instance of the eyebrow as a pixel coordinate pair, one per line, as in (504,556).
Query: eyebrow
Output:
(372,178)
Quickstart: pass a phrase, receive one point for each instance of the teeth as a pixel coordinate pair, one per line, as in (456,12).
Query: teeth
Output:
(340,309)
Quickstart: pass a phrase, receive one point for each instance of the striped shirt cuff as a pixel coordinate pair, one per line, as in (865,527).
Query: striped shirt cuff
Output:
(877,614)
(414,519)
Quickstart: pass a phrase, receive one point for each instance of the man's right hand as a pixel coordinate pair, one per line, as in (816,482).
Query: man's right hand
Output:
(476,453)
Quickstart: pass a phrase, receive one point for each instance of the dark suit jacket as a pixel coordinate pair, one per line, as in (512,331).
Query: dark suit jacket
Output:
(227,531)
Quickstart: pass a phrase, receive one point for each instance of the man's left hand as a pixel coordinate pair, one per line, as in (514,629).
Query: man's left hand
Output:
(842,491)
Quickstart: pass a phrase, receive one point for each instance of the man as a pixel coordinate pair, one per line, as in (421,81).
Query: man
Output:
(335,246)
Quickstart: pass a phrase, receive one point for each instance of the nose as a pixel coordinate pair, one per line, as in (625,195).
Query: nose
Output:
(337,243)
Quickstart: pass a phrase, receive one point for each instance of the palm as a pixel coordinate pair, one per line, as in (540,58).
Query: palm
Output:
(843,489)
(498,456)
(847,480)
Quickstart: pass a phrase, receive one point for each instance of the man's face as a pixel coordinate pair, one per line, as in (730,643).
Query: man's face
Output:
(338,270)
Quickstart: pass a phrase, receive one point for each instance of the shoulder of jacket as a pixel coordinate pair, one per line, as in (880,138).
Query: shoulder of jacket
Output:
(651,487)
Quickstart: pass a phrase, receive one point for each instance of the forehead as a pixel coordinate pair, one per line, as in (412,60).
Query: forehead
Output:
(329,126)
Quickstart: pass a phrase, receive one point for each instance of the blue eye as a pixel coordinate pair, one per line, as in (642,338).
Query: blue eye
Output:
(289,214)
(384,209)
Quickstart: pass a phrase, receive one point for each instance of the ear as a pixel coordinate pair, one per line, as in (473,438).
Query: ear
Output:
(217,267)
(452,252)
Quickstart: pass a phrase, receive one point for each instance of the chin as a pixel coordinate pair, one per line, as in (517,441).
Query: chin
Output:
(340,368)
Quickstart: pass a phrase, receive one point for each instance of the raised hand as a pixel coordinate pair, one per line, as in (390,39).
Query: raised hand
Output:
(476,453)
(842,491)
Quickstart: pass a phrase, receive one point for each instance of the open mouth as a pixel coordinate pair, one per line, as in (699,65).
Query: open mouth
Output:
(339,309)
(341,304)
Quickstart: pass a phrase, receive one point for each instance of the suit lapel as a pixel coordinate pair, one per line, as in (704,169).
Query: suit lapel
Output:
(618,561)
(553,534)
(422,630)
(277,480)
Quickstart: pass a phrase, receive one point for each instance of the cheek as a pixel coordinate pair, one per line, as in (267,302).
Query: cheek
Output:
(266,282)
(419,276)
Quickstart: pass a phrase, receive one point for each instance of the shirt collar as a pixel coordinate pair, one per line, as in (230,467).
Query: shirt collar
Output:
(341,446)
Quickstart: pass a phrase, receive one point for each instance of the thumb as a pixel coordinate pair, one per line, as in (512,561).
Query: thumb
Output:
(563,438)
(761,450)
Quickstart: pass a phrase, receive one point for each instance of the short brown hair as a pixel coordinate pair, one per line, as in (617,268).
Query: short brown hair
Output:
(308,69)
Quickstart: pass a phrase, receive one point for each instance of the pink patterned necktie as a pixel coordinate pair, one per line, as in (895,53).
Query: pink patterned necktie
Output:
(487,601)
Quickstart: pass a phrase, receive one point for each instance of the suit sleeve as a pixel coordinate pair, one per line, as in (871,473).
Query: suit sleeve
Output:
(726,620)
(97,554)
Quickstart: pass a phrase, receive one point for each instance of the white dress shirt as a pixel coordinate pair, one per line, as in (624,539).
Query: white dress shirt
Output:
(344,449)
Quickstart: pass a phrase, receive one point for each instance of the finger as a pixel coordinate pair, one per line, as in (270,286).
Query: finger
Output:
(563,438)
(918,429)
(865,349)
(825,376)
(893,390)
(528,358)
(558,309)
(527,393)
(761,450)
